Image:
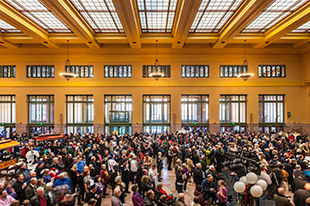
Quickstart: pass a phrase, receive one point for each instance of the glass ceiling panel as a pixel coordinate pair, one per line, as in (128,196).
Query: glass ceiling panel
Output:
(305,28)
(100,15)
(213,14)
(273,14)
(7,28)
(157,15)
(41,15)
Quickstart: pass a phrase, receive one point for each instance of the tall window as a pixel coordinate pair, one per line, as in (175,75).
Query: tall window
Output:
(148,69)
(81,71)
(118,113)
(80,113)
(271,71)
(271,113)
(41,113)
(195,71)
(40,71)
(231,71)
(7,71)
(117,71)
(195,111)
(233,112)
(7,115)
(156,113)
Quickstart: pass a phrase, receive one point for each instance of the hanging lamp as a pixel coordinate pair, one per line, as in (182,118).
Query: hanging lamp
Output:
(156,73)
(245,75)
(67,74)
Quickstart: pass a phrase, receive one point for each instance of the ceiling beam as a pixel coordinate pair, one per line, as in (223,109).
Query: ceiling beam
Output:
(6,43)
(21,22)
(67,13)
(184,21)
(293,21)
(128,14)
(246,13)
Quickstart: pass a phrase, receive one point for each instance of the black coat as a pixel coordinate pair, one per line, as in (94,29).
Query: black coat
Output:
(198,176)
(300,197)
(20,192)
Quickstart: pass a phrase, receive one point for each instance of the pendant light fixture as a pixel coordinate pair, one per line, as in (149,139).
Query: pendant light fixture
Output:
(245,75)
(156,73)
(67,74)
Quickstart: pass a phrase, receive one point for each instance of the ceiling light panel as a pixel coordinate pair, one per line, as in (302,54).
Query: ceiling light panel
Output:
(100,15)
(7,28)
(157,15)
(213,14)
(273,14)
(41,15)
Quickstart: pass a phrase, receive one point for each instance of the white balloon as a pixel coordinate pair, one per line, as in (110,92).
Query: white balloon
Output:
(262,183)
(251,178)
(243,179)
(256,191)
(239,187)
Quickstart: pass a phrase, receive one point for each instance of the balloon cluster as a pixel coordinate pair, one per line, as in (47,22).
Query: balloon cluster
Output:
(258,186)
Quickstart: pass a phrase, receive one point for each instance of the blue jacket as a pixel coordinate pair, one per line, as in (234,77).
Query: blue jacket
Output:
(61,182)
(80,166)
(207,185)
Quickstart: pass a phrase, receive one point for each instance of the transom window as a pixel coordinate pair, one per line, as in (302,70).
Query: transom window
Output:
(80,113)
(195,110)
(156,113)
(231,71)
(7,71)
(157,15)
(41,113)
(195,71)
(272,71)
(118,113)
(148,69)
(40,71)
(233,112)
(81,71)
(117,71)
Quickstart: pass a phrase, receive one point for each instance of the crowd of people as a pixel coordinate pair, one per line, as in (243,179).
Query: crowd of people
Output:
(84,169)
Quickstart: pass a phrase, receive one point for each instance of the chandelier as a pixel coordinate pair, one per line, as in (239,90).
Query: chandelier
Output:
(67,74)
(245,75)
(156,70)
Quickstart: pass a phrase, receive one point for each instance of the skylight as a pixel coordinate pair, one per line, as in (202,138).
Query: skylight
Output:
(305,28)
(157,15)
(100,15)
(273,14)
(213,14)
(7,28)
(41,15)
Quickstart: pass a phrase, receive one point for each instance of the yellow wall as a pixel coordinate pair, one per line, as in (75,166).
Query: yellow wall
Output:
(296,99)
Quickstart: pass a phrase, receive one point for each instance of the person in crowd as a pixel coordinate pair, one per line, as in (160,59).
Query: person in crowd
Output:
(10,190)
(5,199)
(222,193)
(115,199)
(198,193)
(301,195)
(281,199)
(31,189)
(181,200)
(41,199)
(148,200)
(137,199)
(19,187)
(49,191)
(162,201)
